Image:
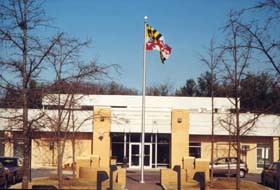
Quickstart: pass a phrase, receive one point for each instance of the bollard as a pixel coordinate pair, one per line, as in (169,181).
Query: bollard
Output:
(125,162)
(101,176)
(112,169)
(200,177)
(177,169)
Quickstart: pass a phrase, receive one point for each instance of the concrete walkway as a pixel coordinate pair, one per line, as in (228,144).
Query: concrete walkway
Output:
(151,179)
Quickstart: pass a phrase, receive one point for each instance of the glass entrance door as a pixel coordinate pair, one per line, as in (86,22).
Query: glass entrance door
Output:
(135,155)
(148,155)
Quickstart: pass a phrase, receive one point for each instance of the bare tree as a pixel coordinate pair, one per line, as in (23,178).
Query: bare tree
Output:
(64,124)
(246,124)
(263,29)
(76,124)
(24,58)
(66,63)
(212,62)
(163,89)
(236,56)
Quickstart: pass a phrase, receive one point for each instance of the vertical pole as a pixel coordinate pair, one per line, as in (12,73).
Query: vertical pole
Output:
(143,103)
(156,148)
(124,145)
(125,160)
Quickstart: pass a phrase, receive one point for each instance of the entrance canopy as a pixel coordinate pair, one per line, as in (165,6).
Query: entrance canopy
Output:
(128,120)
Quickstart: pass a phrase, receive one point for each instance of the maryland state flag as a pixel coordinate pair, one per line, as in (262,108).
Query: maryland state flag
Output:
(155,41)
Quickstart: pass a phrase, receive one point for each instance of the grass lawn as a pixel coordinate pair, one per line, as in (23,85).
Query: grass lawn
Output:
(229,183)
(219,183)
(68,183)
(74,183)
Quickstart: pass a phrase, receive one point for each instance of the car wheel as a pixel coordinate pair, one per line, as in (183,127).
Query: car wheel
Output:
(14,179)
(5,185)
(263,180)
(242,173)
(276,184)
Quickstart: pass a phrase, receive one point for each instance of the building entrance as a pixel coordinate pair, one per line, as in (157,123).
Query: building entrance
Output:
(135,155)
(126,148)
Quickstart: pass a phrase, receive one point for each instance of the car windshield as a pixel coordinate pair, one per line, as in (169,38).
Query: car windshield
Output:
(8,162)
(272,166)
(232,160)
(221,161)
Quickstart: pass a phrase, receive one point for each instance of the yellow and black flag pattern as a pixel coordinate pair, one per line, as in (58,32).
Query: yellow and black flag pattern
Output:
(153,33)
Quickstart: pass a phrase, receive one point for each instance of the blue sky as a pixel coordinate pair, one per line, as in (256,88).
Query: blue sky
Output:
(116,28)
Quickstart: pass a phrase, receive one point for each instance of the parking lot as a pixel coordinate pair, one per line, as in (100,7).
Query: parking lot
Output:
(253,177)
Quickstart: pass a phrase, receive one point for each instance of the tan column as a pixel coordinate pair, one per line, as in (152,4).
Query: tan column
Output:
(275,149)
(179,136)
(101,136)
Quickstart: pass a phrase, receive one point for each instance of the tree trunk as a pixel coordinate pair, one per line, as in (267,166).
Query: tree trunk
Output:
(26,128)
(238,146)
(59,147)
(212,129)
(229,153)
(73,157)
(59,164)
(236,95)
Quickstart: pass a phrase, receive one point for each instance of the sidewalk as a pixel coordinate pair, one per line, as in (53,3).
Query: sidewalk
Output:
(151,179)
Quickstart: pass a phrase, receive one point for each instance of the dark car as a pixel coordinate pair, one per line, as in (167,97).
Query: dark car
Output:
(228,165)
(3,177)
(14,166)
(271,175)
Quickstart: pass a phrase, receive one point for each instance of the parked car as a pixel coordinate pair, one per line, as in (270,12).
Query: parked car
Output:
(228,165)
(271,175)
(3,176)
(15,168)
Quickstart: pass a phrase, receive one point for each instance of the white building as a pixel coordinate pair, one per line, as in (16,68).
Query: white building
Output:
(260,143)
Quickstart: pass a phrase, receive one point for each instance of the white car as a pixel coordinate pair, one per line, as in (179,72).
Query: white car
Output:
(228,165)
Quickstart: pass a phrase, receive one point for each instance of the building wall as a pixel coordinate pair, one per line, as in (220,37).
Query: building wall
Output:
(221,148)
(157,120)
(44,154)
(202,103)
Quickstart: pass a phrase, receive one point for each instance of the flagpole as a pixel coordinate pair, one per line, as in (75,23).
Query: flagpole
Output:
(143,103)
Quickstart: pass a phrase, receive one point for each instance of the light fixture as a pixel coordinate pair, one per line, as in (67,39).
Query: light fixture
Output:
(179,120)
(101,135)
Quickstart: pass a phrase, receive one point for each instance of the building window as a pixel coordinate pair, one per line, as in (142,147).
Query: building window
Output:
(2,143)
(263,155)
(18,148)
(244,151)
(163,150)
(118,147)
(195,149)
(2,148)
